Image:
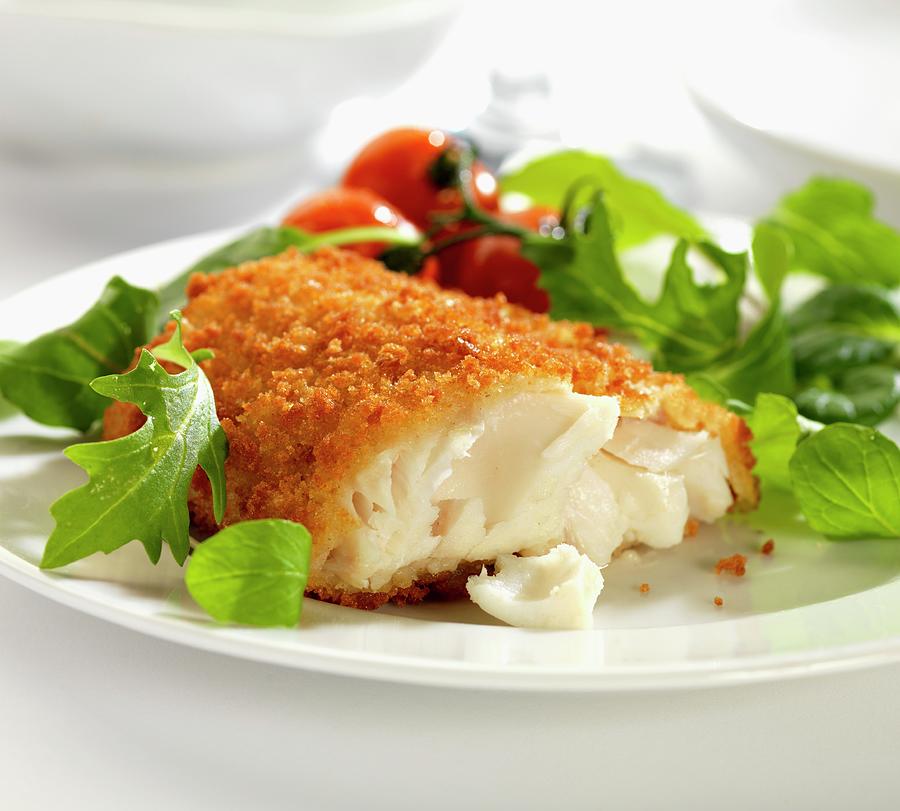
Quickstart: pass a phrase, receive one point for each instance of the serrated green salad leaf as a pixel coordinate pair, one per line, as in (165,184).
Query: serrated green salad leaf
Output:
(138,484)
(692,327)
(252,573)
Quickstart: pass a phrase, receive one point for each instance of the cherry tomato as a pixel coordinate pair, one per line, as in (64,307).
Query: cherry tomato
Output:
(414,170)
(347,208)
(494,264)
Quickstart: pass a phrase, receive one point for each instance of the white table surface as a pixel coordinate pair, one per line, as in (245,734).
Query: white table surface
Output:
(93,716)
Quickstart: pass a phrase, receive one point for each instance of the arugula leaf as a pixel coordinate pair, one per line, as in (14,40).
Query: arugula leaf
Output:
(776,433)
(138,484)
(762,363)
(637,210)
(49,377)
(691,327)
(253,573)
(585,282)
(847,481)
(256,244)
(835,234)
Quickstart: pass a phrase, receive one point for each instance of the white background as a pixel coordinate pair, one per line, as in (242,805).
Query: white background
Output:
(94,716)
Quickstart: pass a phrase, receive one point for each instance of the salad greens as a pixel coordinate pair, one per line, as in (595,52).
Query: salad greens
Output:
(776,432)
(252,573)
(49,378)
(139,484)
(691,327)
(819,376)
(637,210)
(834,233)
(847,481)
(845,343)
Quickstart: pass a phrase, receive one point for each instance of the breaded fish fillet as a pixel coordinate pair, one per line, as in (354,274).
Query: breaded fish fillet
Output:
(419,432)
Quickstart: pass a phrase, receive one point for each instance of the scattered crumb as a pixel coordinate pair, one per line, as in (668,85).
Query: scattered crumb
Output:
(691,527)
(735,564)
(768,547)
(718,601)
(645,587)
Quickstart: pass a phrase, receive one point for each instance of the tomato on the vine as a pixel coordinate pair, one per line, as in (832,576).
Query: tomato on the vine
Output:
(494,264)
(416,170)
(338,208)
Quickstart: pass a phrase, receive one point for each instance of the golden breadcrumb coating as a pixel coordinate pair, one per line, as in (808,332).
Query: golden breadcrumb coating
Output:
(321,361)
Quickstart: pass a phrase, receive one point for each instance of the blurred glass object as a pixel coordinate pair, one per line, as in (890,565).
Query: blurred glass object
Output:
(521,111)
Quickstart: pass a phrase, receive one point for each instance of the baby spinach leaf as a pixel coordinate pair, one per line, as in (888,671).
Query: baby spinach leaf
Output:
(637,210)
(853,308)
(252,573)
(847,481)
(138,485)
(49,378)
(829,349)
(834,233)
(845,344)
(867,395)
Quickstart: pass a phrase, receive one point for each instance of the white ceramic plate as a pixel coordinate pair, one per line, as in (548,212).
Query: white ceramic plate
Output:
(814,606)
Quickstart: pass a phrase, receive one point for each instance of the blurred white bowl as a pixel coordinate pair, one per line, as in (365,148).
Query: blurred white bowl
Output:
(808,87)
(189,101)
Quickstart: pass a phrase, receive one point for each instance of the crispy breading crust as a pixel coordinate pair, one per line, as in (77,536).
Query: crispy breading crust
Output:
(321,361)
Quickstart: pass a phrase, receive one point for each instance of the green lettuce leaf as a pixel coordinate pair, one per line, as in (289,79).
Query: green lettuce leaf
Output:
(637,210)
(834,233)
(776,433)
(691,327)
(49,378)
(252,573)
(847,481)
(138,485)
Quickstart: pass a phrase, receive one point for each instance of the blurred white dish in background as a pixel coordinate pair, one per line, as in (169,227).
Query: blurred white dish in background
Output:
(179,115)
(807,87)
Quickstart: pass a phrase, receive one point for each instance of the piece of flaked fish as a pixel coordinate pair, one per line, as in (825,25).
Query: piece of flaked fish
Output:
(421,433)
